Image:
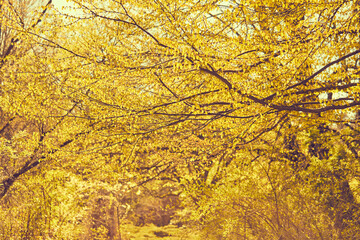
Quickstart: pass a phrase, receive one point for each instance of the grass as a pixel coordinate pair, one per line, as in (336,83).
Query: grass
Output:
(148,232)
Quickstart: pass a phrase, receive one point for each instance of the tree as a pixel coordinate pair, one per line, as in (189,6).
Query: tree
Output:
(188,64)
(238,84)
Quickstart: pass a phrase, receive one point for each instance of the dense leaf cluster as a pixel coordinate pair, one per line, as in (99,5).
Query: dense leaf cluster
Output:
(239,116)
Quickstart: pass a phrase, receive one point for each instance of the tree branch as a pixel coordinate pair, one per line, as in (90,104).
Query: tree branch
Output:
(323,69)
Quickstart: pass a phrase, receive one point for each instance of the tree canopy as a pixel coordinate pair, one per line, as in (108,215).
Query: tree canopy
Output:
(246,110)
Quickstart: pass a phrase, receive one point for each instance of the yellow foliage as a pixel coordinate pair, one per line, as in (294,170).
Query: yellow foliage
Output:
(246,110)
